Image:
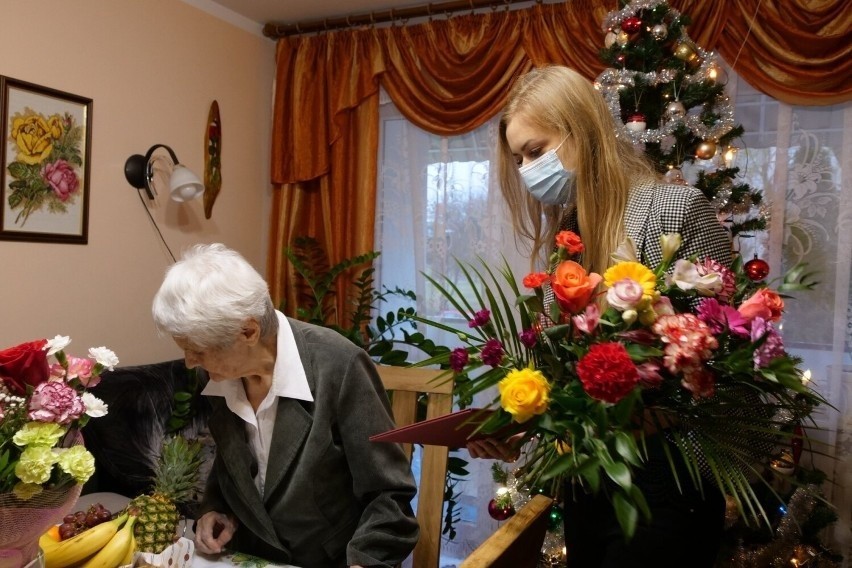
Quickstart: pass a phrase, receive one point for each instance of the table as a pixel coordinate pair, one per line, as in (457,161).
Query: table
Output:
(115,502)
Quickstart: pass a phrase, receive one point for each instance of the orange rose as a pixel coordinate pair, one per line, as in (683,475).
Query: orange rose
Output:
(535,279)
(570,241)
(765,304)
(572,287)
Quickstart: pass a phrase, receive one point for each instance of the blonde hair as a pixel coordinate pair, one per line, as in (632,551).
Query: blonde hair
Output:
(560,100)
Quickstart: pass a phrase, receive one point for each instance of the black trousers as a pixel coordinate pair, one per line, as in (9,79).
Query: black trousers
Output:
(685,530)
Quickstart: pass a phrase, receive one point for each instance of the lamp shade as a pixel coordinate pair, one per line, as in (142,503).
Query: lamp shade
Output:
(184,184)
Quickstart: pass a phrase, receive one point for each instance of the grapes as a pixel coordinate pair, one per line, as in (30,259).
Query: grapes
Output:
(78,521)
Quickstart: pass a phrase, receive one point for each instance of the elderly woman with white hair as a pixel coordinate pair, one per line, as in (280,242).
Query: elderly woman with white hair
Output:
(295,479)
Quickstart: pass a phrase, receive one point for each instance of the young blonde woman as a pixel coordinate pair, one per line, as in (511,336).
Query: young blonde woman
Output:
(561,166)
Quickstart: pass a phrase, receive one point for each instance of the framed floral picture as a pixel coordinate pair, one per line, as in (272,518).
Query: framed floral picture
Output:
(44,163)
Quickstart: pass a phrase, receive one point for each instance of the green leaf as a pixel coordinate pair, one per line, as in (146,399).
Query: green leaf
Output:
(626,514)
(619,473)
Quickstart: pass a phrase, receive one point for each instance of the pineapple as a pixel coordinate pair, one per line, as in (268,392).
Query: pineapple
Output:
(175,481)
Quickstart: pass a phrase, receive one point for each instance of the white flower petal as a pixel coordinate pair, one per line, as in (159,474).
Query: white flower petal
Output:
(57,344)
(105,357)
(95,407)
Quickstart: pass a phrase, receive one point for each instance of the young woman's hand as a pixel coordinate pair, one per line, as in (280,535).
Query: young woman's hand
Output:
(506,450)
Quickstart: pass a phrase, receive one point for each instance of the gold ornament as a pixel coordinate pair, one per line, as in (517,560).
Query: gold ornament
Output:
(705,150)
(622,38)
(684,51)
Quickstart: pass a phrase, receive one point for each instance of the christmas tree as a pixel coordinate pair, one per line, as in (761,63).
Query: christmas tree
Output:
(669,95)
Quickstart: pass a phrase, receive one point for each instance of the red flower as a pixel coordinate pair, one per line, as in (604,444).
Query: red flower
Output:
(458,359)
(607,372)
(535,279)
(25,364)
(492,352)
(570,241)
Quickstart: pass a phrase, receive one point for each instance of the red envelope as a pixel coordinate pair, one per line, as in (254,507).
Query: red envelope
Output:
(451,430)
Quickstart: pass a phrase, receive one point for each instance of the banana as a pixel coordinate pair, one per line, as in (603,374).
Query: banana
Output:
(79,547)
(128,558)
(113,553)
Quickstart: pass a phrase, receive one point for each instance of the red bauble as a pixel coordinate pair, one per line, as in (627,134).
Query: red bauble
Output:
(631,25)
(500,512)
(756,269)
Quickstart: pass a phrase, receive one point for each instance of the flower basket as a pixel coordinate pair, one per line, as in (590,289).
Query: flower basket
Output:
(22,522)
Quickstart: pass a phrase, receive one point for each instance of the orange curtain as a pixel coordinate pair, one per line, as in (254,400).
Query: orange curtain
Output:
(449,76)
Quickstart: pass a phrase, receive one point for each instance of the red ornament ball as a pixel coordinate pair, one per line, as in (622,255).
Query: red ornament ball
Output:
(500,512)
(756,269)
(631,25)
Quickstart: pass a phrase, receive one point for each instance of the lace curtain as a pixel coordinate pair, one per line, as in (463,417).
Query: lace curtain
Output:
(437,201)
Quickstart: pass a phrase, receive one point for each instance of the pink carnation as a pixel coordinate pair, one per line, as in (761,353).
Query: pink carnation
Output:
(729,281)
(81,369)
(699,381)
(772,345)
(688,341)
(480,318)
(55,402)
(458,359)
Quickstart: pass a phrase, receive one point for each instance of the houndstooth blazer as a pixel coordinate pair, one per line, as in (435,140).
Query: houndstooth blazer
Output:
(655,209)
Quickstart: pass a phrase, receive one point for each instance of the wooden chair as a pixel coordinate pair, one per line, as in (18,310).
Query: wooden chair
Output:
(517,543)
(404,384)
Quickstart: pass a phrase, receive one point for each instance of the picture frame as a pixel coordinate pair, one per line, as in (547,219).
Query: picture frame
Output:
(45,163)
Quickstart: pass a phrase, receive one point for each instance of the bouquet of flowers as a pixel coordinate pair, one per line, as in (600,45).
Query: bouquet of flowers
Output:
(43,462)
(687,349)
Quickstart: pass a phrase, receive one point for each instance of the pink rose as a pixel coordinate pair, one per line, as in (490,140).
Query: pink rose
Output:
(55,402)
(765,304)
(61,177)
(625,294)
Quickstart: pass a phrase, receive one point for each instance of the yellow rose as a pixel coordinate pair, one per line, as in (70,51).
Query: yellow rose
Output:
(34,138)
(56,128)
(524,393)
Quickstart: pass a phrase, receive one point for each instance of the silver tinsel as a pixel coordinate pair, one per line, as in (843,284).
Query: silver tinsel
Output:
(614,19)
(611,81)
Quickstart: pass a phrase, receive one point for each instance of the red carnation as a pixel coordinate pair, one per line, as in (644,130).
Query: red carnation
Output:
(535,279)
(607,372)
(570,241)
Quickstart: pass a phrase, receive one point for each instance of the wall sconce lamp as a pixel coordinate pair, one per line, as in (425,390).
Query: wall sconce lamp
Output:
(184,185)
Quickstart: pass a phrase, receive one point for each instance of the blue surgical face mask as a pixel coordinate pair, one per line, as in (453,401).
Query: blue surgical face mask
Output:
(547,179)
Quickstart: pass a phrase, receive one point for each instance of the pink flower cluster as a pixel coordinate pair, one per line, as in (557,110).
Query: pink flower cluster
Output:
(689,342)
(56,401)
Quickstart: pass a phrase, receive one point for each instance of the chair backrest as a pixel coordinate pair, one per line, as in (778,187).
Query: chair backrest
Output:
(516,544)
(405,384)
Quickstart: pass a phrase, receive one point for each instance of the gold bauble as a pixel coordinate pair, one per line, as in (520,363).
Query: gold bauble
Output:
(622,38)
(705,150)
(684,51)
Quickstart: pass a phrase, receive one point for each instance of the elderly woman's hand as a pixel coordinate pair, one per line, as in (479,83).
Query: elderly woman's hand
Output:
(507,450)
(213,531)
